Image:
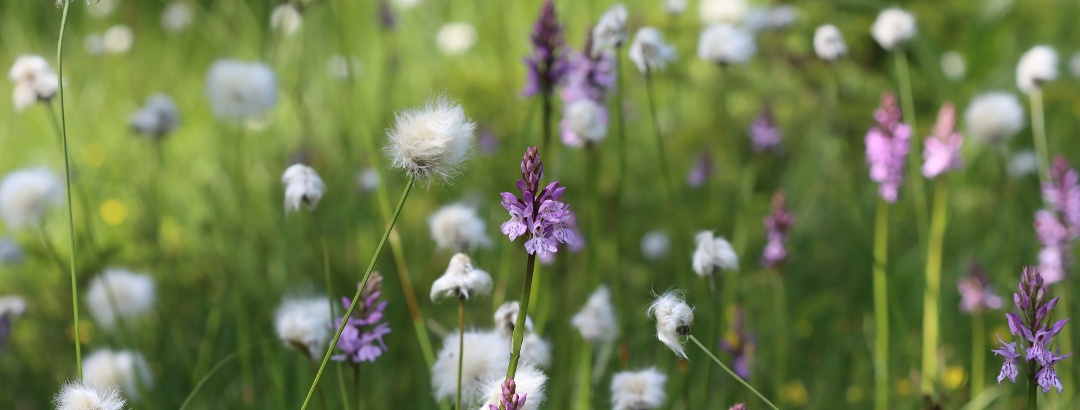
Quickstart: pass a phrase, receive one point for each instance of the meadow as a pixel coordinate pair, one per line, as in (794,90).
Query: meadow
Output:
(820,284)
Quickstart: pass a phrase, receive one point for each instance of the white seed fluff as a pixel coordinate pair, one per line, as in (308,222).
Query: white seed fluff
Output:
(713,253)
(117,39)
(367,179)
(431,141)
(119,294)
(673,320)
(157,118)
(34,81)
(239,90)
(458,227)
(302,186)
(1037,66)
(829,43)
(461,280)
(125,370)
(177,16)
(1074,65)
(486,355)
(726,44)
(506,318)
(286,19)
(85,396)
(655,245)
(893,28)
(649,52)
(455,38)
(536,350)
(586,119)
(25,195)
(12,306)
(304,324)
(953,65)
(530,382)
(1022,164)
(610,30)
(674,7)
(596,321)
(994,117)
(723,11)
(640,390)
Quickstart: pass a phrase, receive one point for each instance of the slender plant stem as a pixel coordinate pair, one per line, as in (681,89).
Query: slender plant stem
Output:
(881,307)
(903,72)
(978,353)
(359,289)
(461,348)
(665,169)
(67,179)
(584,378)
(322,397)
(1038,129)
(1033,393)
(620,123)
(356,379)
(726,369)
(780,301)
(519,325)
(206,377)
(932,294)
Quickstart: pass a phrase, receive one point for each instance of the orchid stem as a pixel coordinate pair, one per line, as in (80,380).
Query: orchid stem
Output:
(726,369)
(903,72)
(978,353)
(932,294)
(519,325)
(359,289)
(1038,129)
(881,307)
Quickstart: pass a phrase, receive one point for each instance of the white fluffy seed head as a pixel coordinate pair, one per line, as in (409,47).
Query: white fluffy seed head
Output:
(26,194)
(953,65)
(530,382)
(829,43)
(1037,66)
(85,396)
(157,118)
(994,117)
(1074,65)
(596,321)
(239,90)
(458,227)
(367,179)
(536,350)
(302,186)
(655,245)
(673,320)
(486,355)
(117,39)
(12,306)
(610,30)
(640,390)
(506,318)
(893,28)
(119,294)
(286,19)
(455,38)
(125,370)
(304,325)
(712,254)
(1022,164)
(431,141)
(34,81)
(649,52)
(725,44)
(723,11)
(177,16)
(461,280)
(674,7)
(586,118)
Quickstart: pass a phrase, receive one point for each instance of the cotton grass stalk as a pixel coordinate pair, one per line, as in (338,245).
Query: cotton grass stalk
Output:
(597,324)
(86,396)
(473,358)
(638,390)
(120,295)
(461,281)
(458,227)
(673,321)
(713,254)
(649,51)
(1037,67)
(427,142)
(125,370)
(610,30)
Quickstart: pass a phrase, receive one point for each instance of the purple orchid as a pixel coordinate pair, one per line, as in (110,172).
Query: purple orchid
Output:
(777,225)
(740,344)
(976,294)
(764,134)
(1029,324)
(547,66)
(702,169)
(887,147)
(942,149)
(362,338)
(1063,194)
(1058,226)
(544,219)
(509,400)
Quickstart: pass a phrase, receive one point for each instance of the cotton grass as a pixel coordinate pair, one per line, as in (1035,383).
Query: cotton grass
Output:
(304,324)
(431,141)
(118,294)
(125,370)
(85,396)
(26,194)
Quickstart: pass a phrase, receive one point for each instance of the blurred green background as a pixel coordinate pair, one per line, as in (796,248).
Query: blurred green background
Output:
(225,255)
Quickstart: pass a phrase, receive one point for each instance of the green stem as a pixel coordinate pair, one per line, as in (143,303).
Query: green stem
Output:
(782,325)
(584,378)
(1038,129)
(546,118)
(1033,393)
(67,180)
(359,289)
(461,348)
(519,325)
(726,369)
(881,308)
(356,379)
(659,137)
(620,123)
(932,294)
(205,378)
(907,103)
(978,353)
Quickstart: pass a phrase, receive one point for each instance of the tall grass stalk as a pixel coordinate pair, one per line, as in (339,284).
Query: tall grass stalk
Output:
(978,353)
(665,169)
(620,123)
(519,325)
(359,289)
(881,307)
(1038,130)
(461,348)
(932,293)
(728,370)
(584,388)
(67,183)
(907,103)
